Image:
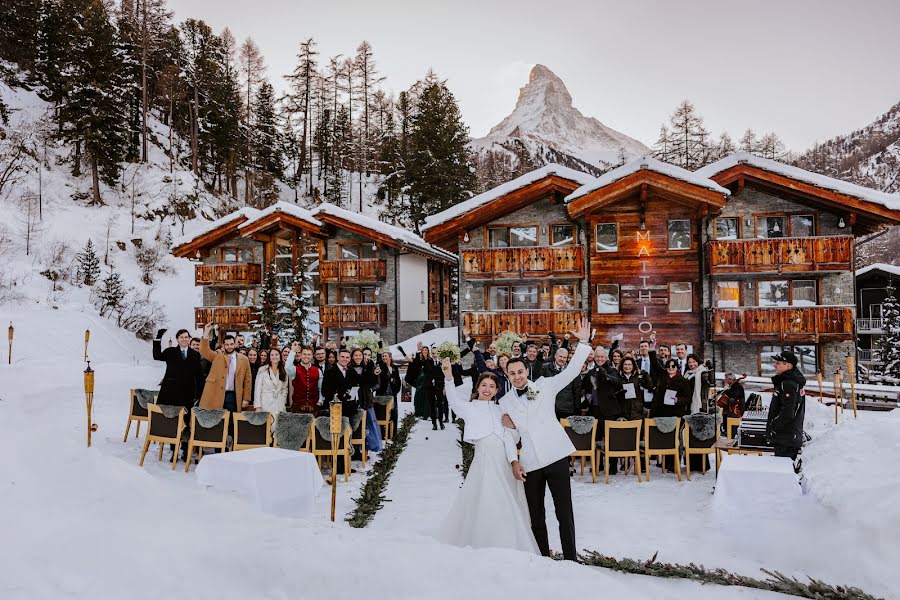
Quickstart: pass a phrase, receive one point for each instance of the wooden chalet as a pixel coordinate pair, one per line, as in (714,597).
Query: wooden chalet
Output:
(355,265)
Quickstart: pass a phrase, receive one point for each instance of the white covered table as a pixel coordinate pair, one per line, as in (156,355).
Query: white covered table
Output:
(749,484)
(277,481)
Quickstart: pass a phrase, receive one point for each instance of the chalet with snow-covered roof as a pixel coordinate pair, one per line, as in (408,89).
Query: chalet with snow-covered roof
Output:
(872,284)
(355,267)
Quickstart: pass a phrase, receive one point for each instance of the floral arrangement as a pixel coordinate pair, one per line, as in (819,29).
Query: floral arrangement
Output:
(448,349)
(532,393)
(506,341)
(365,339)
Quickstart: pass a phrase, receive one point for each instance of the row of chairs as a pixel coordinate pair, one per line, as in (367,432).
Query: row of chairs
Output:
(168,430)
(622,439)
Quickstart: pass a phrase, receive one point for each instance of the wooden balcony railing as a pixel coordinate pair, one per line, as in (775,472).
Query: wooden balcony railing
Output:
(490,324)
(870,356)
(242,274)
(534,261)
(353,315)
(362,270)
(790,323)
(780,255)
(228,317)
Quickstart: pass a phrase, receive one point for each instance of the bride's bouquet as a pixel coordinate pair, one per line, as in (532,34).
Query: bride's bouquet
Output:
(365,339)
(448,349)
(506,341)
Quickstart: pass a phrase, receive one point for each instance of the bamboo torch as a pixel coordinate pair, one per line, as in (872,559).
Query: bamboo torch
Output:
(819,379)
(837,393)
(87,338)
(851,373)
(89,401)
(336,423)
(11,330)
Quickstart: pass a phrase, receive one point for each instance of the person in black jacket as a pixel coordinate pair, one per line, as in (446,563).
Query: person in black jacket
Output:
(786,410)
(606,399)
(179,383)
(389,383)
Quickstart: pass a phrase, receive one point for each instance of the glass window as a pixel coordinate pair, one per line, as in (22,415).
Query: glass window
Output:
(563,235)
(239,298)
(875,311)
(523,236)
(564,296)
(807,359)
(233,255)
(348,295)
(804,292)
(773,293)
(229,255)
(728,294)
(498,298)
(727,228)
(771,227)
(607,298)
(679,235)
(525,297)
(802,226)
(349,252)
(367,295)
(498,237)
(607,237)
(681,298)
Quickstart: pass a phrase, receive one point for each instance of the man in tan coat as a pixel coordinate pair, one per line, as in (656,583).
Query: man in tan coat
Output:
(228,383)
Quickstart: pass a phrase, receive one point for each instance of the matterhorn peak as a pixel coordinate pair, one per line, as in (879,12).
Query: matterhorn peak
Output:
(546,122)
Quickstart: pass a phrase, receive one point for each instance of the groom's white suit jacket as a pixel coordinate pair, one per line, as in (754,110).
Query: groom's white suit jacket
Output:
(544,441)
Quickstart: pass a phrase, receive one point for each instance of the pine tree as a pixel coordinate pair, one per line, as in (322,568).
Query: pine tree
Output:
(724,146)
(439,170)
(688,138)
(266,141)
(88,270)
(299,103)
(19,23)
(301,301)
(268,303)
(749,142)
(91,113)
(111,294)
(890,341)
(662,149)
(771,146)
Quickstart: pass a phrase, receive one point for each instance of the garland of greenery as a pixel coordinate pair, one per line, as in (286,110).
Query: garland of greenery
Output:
(371,496)
(468,450)
(776,582)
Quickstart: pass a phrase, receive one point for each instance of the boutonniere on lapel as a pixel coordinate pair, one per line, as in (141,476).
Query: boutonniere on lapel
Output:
(532,394)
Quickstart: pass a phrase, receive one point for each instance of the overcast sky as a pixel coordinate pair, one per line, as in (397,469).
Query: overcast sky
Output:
(807,70)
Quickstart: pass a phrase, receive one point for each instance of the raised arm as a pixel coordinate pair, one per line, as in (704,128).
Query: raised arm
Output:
(554,384)
(289,367)
(454,398)
(158,351)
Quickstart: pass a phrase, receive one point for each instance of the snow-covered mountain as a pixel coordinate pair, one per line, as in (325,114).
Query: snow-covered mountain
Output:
(546,127)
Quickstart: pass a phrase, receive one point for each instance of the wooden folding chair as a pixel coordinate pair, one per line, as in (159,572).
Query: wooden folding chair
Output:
(361,440)
(657,443)
(246,435)
(622,439)
(203,437)
(288,421)
(584,443)
(383,418)
(322,447)
(693,446)
(163,430)
(136,413)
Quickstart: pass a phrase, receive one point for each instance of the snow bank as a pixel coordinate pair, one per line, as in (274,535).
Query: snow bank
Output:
(649,164)
(891,201)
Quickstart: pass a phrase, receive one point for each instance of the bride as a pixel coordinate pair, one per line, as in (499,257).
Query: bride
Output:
(490,510)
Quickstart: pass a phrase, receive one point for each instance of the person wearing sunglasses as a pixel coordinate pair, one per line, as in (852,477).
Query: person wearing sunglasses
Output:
(672,397)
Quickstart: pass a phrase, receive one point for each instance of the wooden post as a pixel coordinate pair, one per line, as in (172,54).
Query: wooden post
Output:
(337,431)
(89,400)
(819,379)
(87,338)
(837,393)
(11,330)
(851,373)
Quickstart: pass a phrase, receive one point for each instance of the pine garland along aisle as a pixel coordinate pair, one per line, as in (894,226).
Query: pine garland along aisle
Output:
(371,496)
(776,582)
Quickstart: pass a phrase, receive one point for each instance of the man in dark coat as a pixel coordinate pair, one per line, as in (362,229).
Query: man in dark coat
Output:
(179,384)
(606,395)
(786,410)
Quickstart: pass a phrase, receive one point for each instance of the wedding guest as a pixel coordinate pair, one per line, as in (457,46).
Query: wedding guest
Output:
(228,383)
(681,355)
(272,385)
(284,353)
(320,358)
(784,427)
(634,383)
(421,375)
(483,364)
(615,357)
(533,362)
(253,357)
(241,342)
(605,395)
(734,400)
(264,357)
(178,386)
(389,383)
(305,381)
(672,397)
(695,373)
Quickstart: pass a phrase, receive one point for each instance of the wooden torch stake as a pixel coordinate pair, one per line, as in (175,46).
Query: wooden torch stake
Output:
(87,338)
(819,379)
(837,394)
(10,331)
(89,399)
(335,423)
(851,373)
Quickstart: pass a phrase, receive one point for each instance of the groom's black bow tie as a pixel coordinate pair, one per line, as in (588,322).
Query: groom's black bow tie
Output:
(522,391)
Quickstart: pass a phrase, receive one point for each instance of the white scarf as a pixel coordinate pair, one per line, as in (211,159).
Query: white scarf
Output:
(696,375)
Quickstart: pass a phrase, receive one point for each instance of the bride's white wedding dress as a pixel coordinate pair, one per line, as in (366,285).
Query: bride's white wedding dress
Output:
(490,510)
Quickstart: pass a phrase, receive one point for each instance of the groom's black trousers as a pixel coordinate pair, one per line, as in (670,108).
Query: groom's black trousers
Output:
(556,475)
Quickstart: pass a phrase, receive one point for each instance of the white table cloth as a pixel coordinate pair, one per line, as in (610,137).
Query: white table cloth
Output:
(278,481)
(750,484)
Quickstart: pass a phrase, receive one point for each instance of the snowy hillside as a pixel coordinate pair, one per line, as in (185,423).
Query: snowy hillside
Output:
(548,128)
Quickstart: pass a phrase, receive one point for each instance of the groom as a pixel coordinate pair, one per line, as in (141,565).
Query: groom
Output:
(530,408)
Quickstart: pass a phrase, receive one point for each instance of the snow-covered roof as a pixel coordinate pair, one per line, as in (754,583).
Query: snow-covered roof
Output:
(403,236)
(649,164)
(892,269)
(287,208)
(247,212)
(891,201)
(506,188)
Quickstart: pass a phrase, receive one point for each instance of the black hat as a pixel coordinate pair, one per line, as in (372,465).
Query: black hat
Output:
(786,356)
